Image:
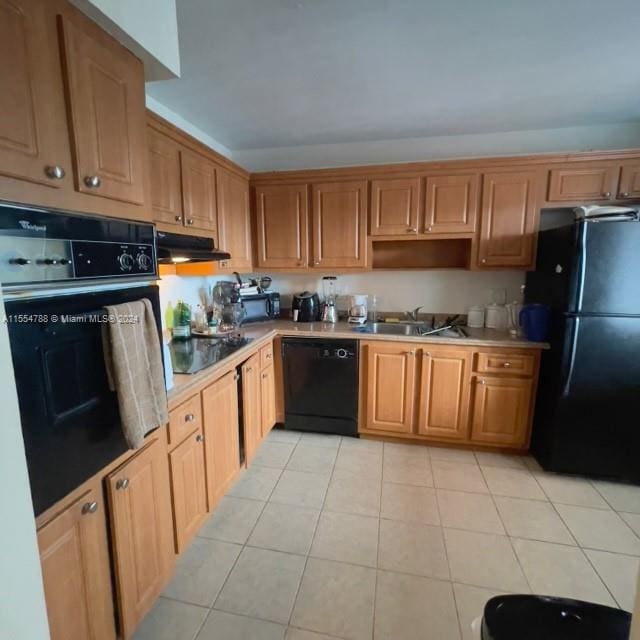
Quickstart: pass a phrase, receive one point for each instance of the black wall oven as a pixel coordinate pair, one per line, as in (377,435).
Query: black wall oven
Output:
(70,420)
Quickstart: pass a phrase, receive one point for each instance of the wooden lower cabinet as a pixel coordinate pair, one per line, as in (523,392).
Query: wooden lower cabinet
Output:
(188,489)
(221,435)
(445,375)
(141,532)
(267,399)
(390,386)
(74,555)
(501,411)
(251,406)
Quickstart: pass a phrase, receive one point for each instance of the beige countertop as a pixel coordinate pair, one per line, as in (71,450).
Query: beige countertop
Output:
(262,333)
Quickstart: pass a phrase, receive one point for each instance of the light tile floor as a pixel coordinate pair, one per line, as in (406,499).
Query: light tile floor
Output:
(327,538)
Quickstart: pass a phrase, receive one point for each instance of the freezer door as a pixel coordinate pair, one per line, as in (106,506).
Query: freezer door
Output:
(606,275)
(593,419)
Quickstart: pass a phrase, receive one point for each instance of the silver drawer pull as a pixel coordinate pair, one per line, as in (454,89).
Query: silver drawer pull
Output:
(190,221)
(506,364)
(92,181)
(177,218)
(89,507)
(189,417)
(481,382)
(54,171)
(123,483)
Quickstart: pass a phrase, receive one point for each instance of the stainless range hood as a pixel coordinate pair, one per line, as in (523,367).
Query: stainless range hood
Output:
(177,248)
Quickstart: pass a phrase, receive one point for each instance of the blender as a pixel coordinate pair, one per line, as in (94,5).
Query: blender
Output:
(329,309)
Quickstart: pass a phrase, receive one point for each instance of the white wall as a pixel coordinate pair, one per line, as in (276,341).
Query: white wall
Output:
(611,136)
(185,125)
(148,27)
(436,291)
(23,614)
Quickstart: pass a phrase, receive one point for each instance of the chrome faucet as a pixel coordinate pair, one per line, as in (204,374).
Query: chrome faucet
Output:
(413,315)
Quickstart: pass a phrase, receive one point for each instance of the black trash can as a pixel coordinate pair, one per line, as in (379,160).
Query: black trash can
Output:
(546,618)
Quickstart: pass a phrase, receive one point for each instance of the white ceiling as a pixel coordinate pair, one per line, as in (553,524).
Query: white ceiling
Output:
(274,73)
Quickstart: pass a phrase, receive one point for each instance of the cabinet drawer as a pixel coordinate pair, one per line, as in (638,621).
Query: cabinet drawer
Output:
(512,363)
(266,355)
(185,419)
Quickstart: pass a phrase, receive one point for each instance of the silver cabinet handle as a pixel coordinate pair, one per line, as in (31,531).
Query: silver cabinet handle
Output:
(123,483)
(624,195)
(411,229)
(177,218)
(426,354)
(236,376)
(481,382)
(410,353)
(189,417)
(317,262)
(607,194)
(268,356)
(190,221)
(54,171)
(484,260)
(199,438)
(89,507)
(506,364)
(92,181)
(428,229)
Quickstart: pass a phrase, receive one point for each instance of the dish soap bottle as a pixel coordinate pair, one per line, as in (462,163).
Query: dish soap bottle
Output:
(181,321)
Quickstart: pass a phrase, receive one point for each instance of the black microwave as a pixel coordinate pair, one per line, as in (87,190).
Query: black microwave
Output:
(262,306)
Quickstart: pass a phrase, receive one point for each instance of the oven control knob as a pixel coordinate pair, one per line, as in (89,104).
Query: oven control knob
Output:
(22,262)
(126,262)
(49,262)
(144,261)
(341,353)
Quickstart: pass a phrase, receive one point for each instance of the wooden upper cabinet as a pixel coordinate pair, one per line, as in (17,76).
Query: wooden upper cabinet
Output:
(282,226)
(390,391)
(142,533)
(251,406)
(451,204)
(508,219)
(221,435)
(105,90)
(501,411)
(395,206)
(629,181)
(74,556)
(188,488)
(583,183)
(444,393)
(164,176)
(199,202)
(340,224)
(234,221)
(34,142)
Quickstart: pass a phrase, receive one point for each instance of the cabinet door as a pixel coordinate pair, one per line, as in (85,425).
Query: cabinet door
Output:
(340,225)
(221,435)
(251,406)
(74,554)
(142,536)
(509,219)
(390,391)
(105,88)
(267,399)
(34,142)
(395,206)
(444,393)
(629,181)
(581,183)
(282,221)
(199,202)
(234,222)
(188,489)
(451,204)
(164,175)
(501,411)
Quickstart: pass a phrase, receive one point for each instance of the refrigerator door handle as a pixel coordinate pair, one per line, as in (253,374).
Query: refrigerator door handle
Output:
(566,387)
(582,266)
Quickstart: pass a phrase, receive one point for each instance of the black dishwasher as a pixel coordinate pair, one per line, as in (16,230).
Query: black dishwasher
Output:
(321,385)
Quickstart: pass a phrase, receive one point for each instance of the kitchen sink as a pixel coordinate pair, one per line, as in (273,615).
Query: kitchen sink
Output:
(407,329)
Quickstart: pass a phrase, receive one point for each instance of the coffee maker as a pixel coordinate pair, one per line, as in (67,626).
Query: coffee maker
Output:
(358,308)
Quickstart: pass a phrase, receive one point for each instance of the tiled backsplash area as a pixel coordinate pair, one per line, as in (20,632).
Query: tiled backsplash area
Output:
(436,291)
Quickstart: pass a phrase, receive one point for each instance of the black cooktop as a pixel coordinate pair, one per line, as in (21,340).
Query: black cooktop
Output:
(190,356)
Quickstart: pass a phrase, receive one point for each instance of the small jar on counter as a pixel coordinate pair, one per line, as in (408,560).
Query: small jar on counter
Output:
(475,317)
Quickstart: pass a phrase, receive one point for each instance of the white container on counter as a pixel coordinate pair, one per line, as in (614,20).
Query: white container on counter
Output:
(496,317)
(475,317)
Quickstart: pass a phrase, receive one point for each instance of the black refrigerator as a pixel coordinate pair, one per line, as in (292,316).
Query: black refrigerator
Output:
(587,418)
